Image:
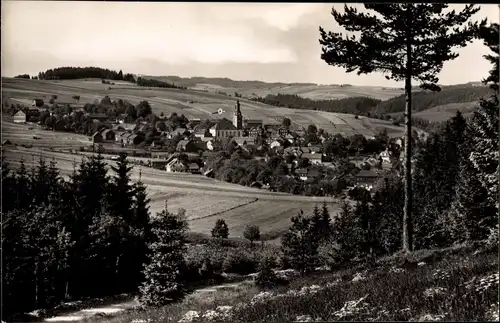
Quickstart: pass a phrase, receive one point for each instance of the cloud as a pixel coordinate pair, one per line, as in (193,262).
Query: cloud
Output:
(266,41)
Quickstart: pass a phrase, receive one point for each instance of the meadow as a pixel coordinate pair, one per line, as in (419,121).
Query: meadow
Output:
(191,103)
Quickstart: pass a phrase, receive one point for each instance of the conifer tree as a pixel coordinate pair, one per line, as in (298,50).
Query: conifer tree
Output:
(300,245)
(220,230)
(164,270)
(407,42)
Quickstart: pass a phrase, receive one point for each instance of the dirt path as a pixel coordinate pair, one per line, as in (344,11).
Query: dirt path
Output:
(118,307)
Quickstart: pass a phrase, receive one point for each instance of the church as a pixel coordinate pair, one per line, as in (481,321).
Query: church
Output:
(225,129)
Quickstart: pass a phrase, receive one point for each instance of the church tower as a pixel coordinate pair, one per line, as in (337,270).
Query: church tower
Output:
(237,117)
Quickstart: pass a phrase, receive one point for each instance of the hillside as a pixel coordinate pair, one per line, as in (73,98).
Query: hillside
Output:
(424,100)
(252,89)
(191,103)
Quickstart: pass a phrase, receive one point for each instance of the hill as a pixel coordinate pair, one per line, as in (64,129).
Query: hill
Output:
(424,100)
(252,89)
(191,103)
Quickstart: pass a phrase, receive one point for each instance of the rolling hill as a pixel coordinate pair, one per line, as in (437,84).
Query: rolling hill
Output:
(191,103)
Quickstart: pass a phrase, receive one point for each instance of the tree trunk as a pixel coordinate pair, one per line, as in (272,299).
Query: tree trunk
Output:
(407,243)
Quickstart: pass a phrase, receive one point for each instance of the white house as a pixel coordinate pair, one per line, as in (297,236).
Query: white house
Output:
(385,156)
(175,165)
(20,117)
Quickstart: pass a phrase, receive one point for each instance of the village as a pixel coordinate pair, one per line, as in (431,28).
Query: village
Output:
(186,145)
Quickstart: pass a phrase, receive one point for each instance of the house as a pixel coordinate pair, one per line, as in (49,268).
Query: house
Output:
(160,154)
(305,150)
(187,146)
(96,137)
(208,173)
(256,185)
(194,168)
(123,137)
(124,118)
(202,133)
(195,122)
(386,157)
(282,131)
(313,173)
(97,116)
(316,149)
(177,132)
(118,135)
(20,117)
(158,164)
(276,143)
(249,123)
(366,178)
(128,126)
(225,129)
(290,138)
(301,173)
(240,141)
(315,159)
(37,103)
(108,135)
(134,139)
(175,165)
(210,145)
(256,132)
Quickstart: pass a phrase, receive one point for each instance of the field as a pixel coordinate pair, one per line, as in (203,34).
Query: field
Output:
(204,199)
(447,111)
(191,103)
(306,90)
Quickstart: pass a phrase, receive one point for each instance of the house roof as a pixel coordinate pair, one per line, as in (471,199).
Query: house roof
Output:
(97,133)
(21,111)
(240,140)
(194,166)
(179,131)
(367,173)
(106,131)
(301,171)
(183,143)
(311,156)
(6,142)
(96,115)
(305,149)
(224,124)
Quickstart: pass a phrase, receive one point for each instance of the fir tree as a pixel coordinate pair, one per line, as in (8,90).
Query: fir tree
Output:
(407,41)
(489,35)
(163,272)
(220,230)
(300,245)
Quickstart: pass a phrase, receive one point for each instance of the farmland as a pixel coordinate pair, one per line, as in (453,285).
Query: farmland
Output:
(191,103)
(306,90)
(204,199)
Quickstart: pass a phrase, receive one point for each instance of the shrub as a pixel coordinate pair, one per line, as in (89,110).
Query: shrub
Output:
(239,262)
(252,233)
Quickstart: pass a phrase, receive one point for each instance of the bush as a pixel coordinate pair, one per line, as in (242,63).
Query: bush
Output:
(239,262)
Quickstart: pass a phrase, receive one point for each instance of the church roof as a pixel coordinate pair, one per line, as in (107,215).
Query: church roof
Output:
(224,124)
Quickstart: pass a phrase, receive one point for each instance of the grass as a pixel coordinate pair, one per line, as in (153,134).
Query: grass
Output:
(179,101)
(461,286)
(205,200)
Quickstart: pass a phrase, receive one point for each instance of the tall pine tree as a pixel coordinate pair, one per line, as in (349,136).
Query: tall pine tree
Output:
(164,270)
(406,41)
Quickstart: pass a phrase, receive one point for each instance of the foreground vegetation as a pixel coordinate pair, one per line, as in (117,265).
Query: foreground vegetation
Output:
(461,286)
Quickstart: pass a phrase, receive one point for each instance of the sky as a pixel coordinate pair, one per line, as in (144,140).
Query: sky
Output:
(272,42)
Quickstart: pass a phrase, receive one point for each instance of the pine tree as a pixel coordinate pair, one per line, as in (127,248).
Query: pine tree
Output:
(346,233)
(220,230)
(164,270)
(300,245)
(407,41)
(22,188)
(489,35)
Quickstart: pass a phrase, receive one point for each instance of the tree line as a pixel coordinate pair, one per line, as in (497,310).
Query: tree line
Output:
(73,73)
(354,105)
(156,83)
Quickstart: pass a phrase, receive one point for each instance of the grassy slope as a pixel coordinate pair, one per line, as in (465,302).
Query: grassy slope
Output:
(464,95)
(204,199)
(193,104)
(465,286)
(258,88)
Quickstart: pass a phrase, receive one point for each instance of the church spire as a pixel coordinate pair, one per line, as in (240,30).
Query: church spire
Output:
(237,117)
